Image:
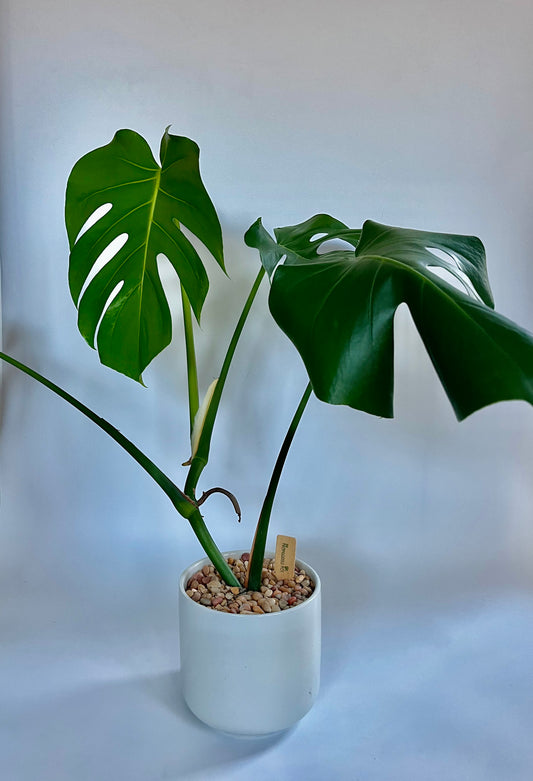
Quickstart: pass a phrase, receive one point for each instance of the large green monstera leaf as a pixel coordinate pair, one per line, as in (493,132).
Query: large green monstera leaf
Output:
(113,275)
(338,309)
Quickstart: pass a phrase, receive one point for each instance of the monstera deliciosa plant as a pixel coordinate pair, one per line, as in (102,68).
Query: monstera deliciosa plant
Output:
(123,209)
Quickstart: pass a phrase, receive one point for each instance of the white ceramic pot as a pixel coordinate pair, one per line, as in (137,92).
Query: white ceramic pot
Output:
(249,675)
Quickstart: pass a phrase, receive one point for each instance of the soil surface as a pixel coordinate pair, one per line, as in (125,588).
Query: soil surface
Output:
(207,588)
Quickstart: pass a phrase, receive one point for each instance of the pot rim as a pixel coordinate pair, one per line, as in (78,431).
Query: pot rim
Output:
(234,553)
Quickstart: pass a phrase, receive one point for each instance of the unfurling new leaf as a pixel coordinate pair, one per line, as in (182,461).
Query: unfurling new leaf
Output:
(199,421)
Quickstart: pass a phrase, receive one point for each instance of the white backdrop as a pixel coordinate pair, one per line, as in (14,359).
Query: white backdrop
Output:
(407,112)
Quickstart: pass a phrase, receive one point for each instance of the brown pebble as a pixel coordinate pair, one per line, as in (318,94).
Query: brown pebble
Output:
(214,586)
(207,587)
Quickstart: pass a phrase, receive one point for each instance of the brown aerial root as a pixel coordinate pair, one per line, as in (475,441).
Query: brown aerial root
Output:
(217,490)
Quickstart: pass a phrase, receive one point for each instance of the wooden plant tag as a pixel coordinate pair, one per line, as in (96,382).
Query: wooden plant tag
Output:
(285,557)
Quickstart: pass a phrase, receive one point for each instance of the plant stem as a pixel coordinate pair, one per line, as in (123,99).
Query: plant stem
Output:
(202,454)
(258,549)
(192,373)
(211,549)
(183,504)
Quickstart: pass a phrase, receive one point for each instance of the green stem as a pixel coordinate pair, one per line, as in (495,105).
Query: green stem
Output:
(185,506)
(258,550)
(192,373)
(202,454)
(211,549)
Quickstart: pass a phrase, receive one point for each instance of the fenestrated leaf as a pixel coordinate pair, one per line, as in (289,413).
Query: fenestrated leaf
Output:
(149,202)
(338,309)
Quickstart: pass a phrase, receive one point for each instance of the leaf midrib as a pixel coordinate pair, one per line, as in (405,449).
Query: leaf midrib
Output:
(151,213)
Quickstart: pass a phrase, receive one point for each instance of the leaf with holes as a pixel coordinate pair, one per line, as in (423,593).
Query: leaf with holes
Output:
(138,206)
(338,309)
